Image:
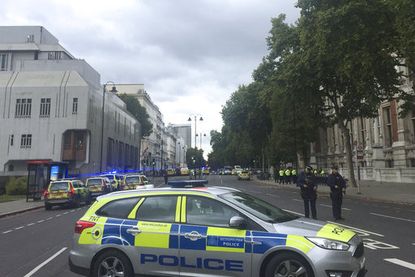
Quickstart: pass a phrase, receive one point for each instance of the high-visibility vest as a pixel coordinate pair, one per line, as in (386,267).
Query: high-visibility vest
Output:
(293,172)
(281,172)
(287,172)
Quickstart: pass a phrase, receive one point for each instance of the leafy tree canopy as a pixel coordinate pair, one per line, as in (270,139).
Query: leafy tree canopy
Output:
(139,112)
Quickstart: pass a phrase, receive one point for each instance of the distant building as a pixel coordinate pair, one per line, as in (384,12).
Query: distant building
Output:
(184,131)
(151,146)
(383,147)
(51,111)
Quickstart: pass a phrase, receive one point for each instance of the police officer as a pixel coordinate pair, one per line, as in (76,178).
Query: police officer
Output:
(337,186)
(294,175)
(306,182)
(287,175)
(281,175)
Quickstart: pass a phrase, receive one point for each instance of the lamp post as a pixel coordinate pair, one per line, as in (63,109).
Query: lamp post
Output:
(201,135)
(113,90)
(200,119)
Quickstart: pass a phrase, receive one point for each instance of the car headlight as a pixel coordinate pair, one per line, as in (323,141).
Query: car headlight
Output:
(329,244)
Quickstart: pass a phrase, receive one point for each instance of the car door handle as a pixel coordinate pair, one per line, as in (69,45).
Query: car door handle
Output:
(193,236)
(134,231)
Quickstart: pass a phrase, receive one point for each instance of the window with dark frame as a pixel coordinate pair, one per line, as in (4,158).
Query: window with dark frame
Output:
(3,61)
(11,140)
(75,106)
(45,107)
(388,126)
(23,108)
(26,141)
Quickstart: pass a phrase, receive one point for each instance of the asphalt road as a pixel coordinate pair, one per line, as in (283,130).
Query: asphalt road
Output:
(36,243)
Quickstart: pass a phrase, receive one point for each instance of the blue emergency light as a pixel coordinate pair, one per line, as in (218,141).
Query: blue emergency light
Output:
(187,183)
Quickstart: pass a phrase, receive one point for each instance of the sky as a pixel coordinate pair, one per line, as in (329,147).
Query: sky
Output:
(191,55)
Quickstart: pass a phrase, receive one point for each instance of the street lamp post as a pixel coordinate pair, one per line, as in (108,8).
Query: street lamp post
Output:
(113,90)
(200,119)
(201,135)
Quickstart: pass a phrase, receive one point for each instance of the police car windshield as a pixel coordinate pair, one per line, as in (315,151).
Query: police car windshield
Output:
(59,186)
(132,179)
(258,207)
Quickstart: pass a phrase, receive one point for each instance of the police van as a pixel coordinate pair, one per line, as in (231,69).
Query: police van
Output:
(193,230)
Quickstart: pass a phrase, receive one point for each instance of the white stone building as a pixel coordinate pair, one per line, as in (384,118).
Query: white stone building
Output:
(51,110)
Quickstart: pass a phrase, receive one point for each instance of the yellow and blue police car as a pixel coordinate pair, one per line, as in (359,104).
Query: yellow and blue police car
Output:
(193,230)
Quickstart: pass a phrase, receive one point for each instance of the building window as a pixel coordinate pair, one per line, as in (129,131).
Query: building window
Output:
(388,126)
(26,141)
(55,55)
(3,61)
(23,108)
(412,162)
(75,106)
(44,107)
(80,141)
(389,163)
(363,131)
(11,140)
(413,124)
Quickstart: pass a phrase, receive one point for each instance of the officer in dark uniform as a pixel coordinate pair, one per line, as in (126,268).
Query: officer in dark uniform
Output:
(337,186)
(306,182)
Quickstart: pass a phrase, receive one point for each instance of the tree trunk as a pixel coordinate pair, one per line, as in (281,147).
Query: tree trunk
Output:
(349,153)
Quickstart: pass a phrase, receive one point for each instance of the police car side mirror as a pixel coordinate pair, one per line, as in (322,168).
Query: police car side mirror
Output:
(237,222)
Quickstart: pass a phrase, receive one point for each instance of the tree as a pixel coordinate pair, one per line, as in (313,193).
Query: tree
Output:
(348,47)
(194,158)
(139,112)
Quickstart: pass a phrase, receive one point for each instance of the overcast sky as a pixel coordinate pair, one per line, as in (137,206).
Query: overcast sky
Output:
(190,54)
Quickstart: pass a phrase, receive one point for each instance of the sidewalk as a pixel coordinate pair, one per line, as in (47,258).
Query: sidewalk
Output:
(19,206)
(400,193)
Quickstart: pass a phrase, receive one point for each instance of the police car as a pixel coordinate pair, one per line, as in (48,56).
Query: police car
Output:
(189,230)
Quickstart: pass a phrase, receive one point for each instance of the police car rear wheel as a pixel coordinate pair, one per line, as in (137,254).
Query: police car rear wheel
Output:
(112,263)
(288,265)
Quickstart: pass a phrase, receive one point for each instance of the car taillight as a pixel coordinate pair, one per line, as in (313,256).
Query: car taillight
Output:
(71,190)
(80,225)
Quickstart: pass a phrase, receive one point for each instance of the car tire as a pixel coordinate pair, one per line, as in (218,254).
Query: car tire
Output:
(114,260)
(48,207)
(288,264)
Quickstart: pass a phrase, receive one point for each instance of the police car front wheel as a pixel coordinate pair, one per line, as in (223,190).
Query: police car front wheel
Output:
(288,265)
(112,263)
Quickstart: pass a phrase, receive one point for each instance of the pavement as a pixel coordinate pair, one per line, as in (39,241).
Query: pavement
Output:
(19,206)
(387,192)
(399,193)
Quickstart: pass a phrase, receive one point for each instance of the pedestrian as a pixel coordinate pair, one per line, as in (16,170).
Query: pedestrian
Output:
(166,176)
(294,176)
(281,175)
(275,176)
(306,182)
(287,175)
(337,186)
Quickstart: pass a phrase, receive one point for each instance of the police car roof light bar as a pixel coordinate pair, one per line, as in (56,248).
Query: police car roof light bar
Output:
(187,183)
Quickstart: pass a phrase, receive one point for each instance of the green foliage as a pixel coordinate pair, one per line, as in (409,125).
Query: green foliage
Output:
(194,158)
(16,186)
(139,112)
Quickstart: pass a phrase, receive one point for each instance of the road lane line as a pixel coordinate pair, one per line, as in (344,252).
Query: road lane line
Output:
(58,215)
(65,212)
(8,231)
(45,262)
(398,218)
(293,212)
(49,218)
(30,224)
(328,206)
(40,221)
(401,263)
(18,228)
(361,230)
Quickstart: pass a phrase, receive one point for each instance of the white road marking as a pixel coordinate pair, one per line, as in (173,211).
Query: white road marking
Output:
(40,221)
(294,212)
(65,212)
(8,231)
(30,224)
(398,218)
(413,244)
(401,263)
(298,200)
(49,218)
(72,211)
(357,229)
(273,195)
(328,206)
(58,215)
(45,262)
(18,228)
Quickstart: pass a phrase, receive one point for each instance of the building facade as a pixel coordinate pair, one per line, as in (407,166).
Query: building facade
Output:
(383,147)
(51,107)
